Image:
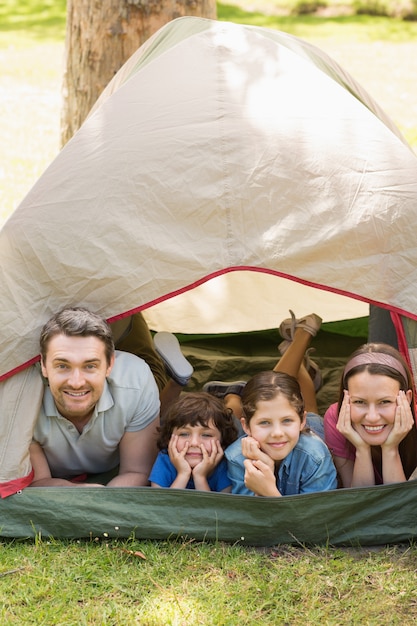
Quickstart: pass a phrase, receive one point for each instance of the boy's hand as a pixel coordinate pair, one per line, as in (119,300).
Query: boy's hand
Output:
(178,459)
(209,460)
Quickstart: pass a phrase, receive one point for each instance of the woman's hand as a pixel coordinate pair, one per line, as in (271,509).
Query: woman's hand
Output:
(403,422)
(345,427)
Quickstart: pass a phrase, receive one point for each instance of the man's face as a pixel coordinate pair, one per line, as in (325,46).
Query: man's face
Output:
(76,368)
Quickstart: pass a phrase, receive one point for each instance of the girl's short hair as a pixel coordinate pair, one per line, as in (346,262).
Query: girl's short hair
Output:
(384,360)
(198,408)
(266,386)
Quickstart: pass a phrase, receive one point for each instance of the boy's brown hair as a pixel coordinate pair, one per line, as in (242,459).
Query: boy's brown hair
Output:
(198,408)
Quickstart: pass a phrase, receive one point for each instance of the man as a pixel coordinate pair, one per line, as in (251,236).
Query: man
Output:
(100,410)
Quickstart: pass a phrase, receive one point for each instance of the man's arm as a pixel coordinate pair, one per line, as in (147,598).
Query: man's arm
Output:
(43,476)
(138,452)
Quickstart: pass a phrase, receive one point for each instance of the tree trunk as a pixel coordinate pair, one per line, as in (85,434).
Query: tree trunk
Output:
(101,35)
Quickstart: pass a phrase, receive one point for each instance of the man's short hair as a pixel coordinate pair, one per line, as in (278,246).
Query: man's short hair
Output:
(77,322)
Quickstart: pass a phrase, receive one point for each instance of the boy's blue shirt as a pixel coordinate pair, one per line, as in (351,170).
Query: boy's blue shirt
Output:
(308,467)
(164,473)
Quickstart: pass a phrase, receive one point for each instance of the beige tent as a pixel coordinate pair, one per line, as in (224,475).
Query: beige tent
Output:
(227,174)
(219,153)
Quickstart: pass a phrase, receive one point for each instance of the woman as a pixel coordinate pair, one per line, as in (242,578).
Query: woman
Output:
(371,431)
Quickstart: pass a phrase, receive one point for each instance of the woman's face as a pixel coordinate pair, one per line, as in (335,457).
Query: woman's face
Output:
(373,403)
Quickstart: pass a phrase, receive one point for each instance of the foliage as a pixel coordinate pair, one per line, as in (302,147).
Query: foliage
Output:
(403,9)
(305,7)
(38,19)
(333,23)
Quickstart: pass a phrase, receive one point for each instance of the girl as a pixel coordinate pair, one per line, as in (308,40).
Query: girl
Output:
(279,456)
(192,438)
(371,431)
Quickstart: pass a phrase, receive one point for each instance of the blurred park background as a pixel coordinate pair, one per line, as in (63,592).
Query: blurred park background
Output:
(374,40)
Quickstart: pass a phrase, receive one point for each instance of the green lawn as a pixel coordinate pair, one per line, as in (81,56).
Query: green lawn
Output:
(184,583)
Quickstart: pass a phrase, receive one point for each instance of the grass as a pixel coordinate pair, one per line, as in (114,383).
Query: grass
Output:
(188,583)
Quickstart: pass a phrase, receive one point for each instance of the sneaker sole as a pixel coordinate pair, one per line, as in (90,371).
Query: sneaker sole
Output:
(169,349)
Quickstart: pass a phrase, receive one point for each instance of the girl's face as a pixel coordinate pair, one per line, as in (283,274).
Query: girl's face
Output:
(373,402)
(196,436)
(276,426)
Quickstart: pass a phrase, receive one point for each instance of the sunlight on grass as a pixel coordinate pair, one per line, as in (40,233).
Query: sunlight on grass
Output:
(30,101)
(31,63)
(184,582)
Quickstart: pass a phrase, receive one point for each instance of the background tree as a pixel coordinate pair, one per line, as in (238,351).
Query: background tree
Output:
(100,36)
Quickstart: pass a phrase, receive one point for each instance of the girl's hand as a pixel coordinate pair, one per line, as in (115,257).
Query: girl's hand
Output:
(178,459)
(209,461)
(344,424)
(260,478)
(251,450)
(403,422)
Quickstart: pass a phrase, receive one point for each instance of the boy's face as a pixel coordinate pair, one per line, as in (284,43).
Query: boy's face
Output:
(276,426)
(197,436)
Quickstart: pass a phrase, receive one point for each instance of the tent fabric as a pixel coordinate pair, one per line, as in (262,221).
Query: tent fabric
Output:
(20,402)
(231,150)
(345,517)
(228,174)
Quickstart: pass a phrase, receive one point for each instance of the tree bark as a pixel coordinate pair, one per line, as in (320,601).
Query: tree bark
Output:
(101,35)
